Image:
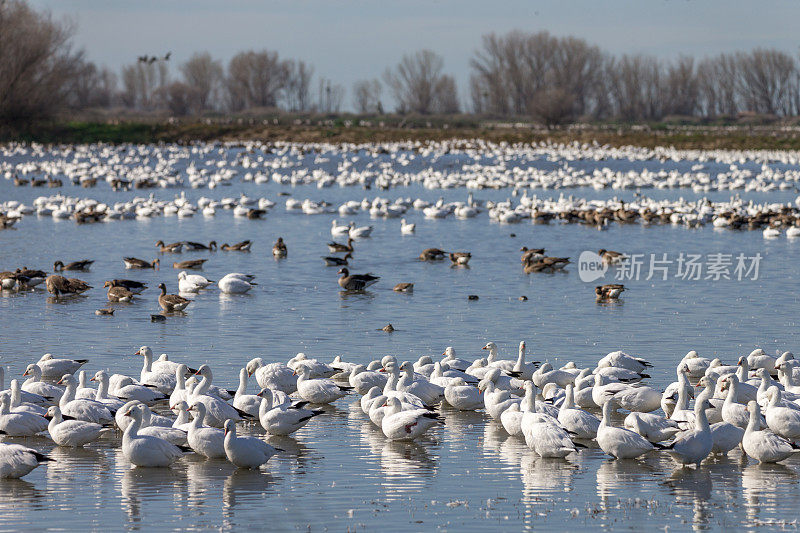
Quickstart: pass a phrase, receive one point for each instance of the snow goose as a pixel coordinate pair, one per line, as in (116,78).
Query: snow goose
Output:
(441,378)
(762,445)
(362,378)
(192,282)
(717,370)
(548,440)
(502,382)
(17,461)
(758,358)
(35,385)
(127,389)
(620,359)
(697,365)
(217,410)
(424,366)
(283,419)
(733,412)
(511,419)
(492,360)
(399,424)
(19,424)
(547,374)
(691,447)
(207,441)
(407,228)
(451,362)
(342,368)
(577,422)
(494,400)
(101,396)
(249,403)
(462,396)
(338,230)
(317,368)
(274,376)
(162,365)
(603,390)
(86,410)
(726,437)
(390,389)
(72,433)
(620,443)
(161,379)
(182,421)
(654,428)
(620,374)
(361,232)
(52,368)
(234,285)
(370,397)
(83,391)
(783,421)
(429,393)
(319,390)
(246,452)
(179,393)
(16,405)
(639,398)
(146,450)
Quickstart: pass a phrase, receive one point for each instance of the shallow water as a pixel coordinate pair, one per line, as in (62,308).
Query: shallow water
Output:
(339,472)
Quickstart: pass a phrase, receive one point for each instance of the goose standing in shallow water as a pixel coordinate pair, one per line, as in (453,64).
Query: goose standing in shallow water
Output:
(171,303)
(246,452)
(356,282)
(207,441)
(146,450)
(691,447)
(763,445)
(620,443)
(73,433)
(17,461)
(319,390)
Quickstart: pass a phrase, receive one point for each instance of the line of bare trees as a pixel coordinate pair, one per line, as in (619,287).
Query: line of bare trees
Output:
(515,75)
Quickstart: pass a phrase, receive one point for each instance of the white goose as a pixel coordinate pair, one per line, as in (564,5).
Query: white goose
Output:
(283,419)
(83,391)
(182,421)
(192,282)
(691,447)
(35,385)
(577,422)
(246,452)
(233,285)
(127,389)
(451,362)
(548,440)
(19,424)
(53,368)
(207,441)
(146,450)
(398,424)
(733,412)
(783,421)
(338,230)
(217,411)
(318,391)
(317,368)
(101,396)
(762,445)
(72,433)
(274,376)
(162,377)
(17,461)
(359,232)
(430,393)
(16,405)
(407,228)
(462,396)
(86,410)
(249,403)
(179,393)
(494,400)
(363,378)
(620,443)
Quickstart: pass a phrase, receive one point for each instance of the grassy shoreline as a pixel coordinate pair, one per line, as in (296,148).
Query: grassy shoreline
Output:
(343,131)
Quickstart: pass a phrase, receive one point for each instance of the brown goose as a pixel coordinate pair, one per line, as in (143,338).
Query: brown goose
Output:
(198,246)
(336,247)
(280,250)
(243,246)
(135,287)
(460,258)
(171,302)
(531,254)
(117,293)
(356,282)
(132,262)
(104,312)
(255,214)
(546,264)
(432,254)
(404,287)
(610,291)
(31,273)
(58,285)
(6,221)
(610,257)
(75,265)
(337,261)
(194,264)
(173,247)
(28,279)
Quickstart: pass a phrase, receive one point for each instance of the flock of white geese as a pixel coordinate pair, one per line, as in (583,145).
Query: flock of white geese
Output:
(753,405)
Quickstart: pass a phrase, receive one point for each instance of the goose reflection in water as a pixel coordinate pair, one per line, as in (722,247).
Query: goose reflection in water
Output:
(692,485)
(406,466)
(139,485)
(245,485)
(763,486)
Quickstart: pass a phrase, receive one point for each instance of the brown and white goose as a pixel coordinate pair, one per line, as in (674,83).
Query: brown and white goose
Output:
(171,302)
(610,291)
(279,249)
(194,264)
(173,247)
(135,287)
(331,260)
(198,246)
(243,246)
(356,282)
(336,247)
(133,262)
(58,285)
(460,258)
(432,254)
(58,266)
(117,293)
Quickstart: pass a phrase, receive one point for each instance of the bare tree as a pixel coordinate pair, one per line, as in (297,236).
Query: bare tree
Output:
(367,97)
(330,96)
(92,87)
(416,83)
(765,81)
(681,88)
(298,85)
(181,98)
(205,75)
(255,79)
(635,83)
(141,82)
(717,80)
(37,63)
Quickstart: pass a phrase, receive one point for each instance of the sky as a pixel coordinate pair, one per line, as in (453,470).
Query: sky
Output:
(350,40)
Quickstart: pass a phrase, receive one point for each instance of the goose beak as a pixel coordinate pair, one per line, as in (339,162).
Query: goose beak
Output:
(294,373)
(25,373)
(382,370)
(92,379)
(484,348)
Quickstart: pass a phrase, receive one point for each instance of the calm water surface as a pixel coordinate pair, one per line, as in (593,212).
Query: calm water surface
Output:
(339,472)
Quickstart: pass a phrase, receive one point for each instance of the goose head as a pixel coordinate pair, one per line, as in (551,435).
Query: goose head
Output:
(253,365)
(449,352)
(230,429)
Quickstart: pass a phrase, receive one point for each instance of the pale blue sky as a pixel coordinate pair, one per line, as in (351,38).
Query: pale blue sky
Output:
(348,40)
